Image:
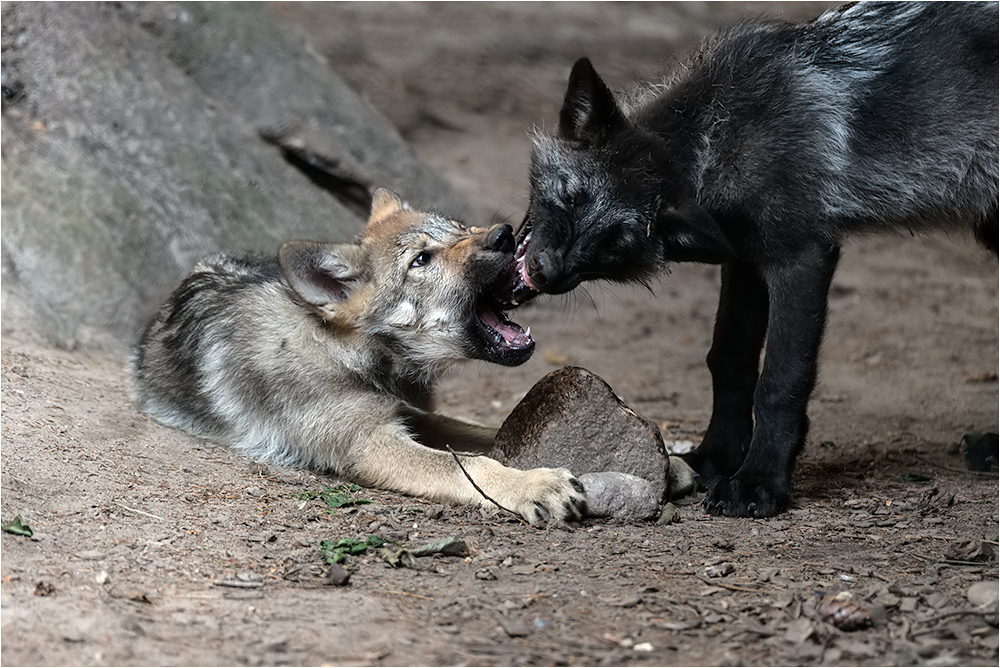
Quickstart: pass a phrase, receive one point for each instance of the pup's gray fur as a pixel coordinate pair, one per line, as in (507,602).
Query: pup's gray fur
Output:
(327,359)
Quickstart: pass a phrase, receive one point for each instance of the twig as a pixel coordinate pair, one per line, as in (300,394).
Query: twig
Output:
(955,469)
(477,487)
(713,583)
(956,613)
(406,593)
(141,512)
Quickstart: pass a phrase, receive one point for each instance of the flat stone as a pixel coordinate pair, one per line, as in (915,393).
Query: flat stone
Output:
(572,419)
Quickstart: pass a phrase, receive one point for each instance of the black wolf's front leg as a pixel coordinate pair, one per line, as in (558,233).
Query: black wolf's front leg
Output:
(733,361)
(797,290)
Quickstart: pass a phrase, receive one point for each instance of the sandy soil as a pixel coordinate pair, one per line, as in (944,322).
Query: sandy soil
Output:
(140,531)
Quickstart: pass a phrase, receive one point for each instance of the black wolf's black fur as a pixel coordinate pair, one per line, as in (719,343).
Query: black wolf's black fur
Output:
(777,142)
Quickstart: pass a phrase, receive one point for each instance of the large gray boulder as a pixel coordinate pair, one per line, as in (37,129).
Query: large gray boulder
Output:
(138,138)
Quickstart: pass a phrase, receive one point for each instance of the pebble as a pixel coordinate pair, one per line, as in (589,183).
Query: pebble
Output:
(337,576)
(719,570)
(983,594)
(518,628)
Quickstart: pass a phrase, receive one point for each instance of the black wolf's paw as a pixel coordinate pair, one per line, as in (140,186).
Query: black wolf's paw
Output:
(741,496)
(708,471)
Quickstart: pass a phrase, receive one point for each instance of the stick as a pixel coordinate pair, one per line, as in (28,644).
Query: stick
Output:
(477,487)
(141,512)
(956,613)
(713,583)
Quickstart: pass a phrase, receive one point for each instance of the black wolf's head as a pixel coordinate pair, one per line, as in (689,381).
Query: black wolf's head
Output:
(608,199)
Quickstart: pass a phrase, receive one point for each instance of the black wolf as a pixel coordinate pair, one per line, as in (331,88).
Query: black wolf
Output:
(327,357)
(776,142)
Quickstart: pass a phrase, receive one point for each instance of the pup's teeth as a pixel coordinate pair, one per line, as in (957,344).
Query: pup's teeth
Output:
(527,332)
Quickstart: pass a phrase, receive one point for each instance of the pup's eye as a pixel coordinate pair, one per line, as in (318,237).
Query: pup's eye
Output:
(423,258)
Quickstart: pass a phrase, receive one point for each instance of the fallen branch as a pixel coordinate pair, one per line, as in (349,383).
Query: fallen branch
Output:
(716,583)
(140,512)
(480,489)
(955,613)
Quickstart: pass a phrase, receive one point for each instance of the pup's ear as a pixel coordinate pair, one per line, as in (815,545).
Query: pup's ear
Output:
(690,234)
(589,112)
(323,275)
(385,202)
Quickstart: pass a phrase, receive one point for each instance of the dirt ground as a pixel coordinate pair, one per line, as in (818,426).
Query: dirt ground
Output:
(153,548)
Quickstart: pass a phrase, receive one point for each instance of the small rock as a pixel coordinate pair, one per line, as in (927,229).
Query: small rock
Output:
(970,551)
(518,628)
(486,574)
(102,578)
(643,647)
(619,495)
(719,570)
(981,451)
(337,576)
(842,612)
(799,630)
(74,636)
(983,594)
(243,579)
(44,589)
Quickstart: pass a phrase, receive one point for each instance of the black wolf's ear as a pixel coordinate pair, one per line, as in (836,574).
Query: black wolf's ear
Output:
(323,275)
(589,112)
(690,234)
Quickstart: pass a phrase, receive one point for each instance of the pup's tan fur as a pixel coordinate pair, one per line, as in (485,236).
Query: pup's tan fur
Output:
(328,357)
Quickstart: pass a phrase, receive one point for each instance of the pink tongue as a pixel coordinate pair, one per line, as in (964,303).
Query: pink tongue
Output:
(513,336)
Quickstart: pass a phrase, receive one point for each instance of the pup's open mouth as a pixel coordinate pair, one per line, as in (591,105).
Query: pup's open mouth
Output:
(504,341)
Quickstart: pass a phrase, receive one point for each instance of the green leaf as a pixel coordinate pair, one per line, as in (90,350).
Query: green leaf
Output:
(335,552)
(411,557)
(340,496)
(17,527)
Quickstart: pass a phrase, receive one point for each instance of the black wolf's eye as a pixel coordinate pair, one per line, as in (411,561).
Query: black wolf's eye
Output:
(423,258)
(562,191)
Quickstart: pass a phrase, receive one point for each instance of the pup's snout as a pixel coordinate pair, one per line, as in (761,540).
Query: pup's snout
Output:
(500,238)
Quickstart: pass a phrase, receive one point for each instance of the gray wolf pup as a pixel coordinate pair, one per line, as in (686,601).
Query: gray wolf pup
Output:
(775,143)
(327,357)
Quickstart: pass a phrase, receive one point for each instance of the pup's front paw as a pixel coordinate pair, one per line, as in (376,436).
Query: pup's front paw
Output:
(747,496)
(545,496)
